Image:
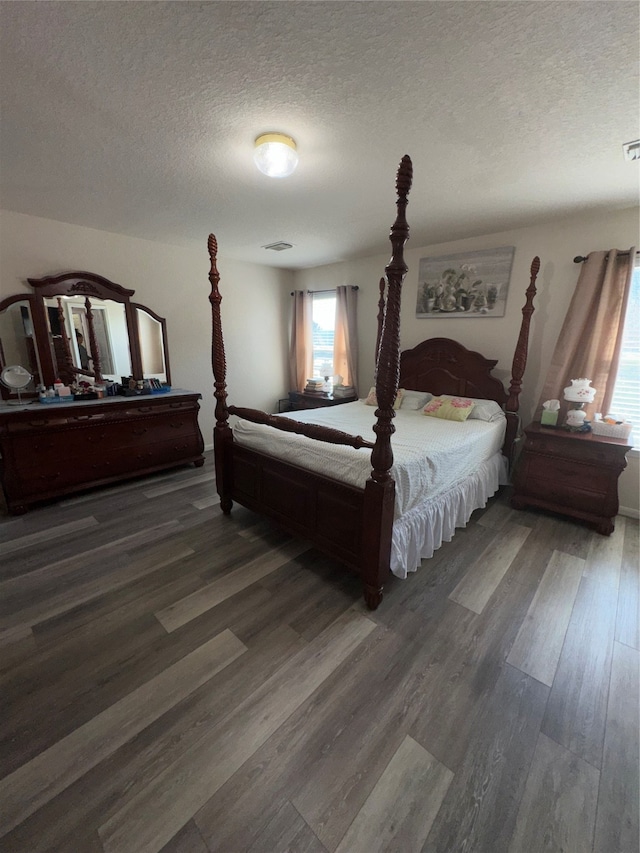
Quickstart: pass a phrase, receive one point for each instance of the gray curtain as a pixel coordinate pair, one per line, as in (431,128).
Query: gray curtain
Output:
(345,342)
(300,345)
(591,336)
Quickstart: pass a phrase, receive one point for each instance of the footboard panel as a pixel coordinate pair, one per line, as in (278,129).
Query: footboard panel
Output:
(306,504)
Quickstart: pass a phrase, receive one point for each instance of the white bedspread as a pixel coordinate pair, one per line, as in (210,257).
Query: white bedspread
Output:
(430,454)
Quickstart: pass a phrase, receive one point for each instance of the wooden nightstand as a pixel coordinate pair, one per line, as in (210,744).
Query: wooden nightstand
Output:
(311,401)
(572,473)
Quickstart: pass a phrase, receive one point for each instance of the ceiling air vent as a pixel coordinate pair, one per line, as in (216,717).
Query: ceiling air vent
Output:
(632,150)
(278,247)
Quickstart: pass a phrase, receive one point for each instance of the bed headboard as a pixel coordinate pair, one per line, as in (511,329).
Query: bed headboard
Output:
(443,366)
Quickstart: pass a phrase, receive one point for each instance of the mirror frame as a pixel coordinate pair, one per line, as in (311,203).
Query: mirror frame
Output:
(89,285)
(39,322)
(136,306)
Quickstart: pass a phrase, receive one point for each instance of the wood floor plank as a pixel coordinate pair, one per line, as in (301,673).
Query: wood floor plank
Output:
(557,810)
(322,757)
(93,585)
(618,822)
(9,546)
(537,647)
(105,789)
(576,710)
(484,575)
(479,810)
(150,819)
(59,699)
(210,596)
(468,664)
(205,503)
(628,618)
(188,840)
(287,831)
(167,488)
(56,571)
(400,810)
(498,514)
(29,787)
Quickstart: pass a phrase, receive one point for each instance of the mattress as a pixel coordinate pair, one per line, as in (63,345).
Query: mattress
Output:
(430,455)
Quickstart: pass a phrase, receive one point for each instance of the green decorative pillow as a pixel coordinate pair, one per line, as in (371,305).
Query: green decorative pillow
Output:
(449,408)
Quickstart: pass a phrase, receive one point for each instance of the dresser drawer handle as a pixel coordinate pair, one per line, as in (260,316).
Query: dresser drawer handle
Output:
(144,409)
(176,425)
(176,405)
(87,417)
(139,431)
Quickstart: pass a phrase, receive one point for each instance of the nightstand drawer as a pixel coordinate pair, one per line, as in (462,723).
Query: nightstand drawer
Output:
(564,448)
(561,495)
(559,470)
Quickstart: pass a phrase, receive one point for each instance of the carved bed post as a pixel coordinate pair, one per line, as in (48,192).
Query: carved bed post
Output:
(222,435)
(379,496)
(381,286)
(520,362)
(93,343)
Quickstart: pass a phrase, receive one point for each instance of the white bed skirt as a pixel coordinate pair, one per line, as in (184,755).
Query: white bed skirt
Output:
(422,530)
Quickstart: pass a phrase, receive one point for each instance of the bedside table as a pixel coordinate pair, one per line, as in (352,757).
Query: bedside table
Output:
(572,473)
(300,400)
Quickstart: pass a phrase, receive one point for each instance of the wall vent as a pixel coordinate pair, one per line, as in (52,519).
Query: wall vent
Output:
(278,247)
(632,150)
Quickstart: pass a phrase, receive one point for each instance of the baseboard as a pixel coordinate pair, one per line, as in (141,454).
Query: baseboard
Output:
(629,512)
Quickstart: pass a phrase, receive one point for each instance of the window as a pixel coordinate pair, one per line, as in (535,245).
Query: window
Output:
(626,394)
(323,319)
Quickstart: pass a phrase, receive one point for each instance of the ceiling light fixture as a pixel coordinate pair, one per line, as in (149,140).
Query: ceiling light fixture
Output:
(632,150)
(279,247)
(275,155)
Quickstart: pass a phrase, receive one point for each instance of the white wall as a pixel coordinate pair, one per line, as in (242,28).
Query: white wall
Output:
(173,281)
(556,243)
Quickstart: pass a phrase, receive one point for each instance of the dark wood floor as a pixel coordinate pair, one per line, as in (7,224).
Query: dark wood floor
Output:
(178,681)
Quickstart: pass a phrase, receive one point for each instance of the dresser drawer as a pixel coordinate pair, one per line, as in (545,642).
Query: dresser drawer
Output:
(560,448)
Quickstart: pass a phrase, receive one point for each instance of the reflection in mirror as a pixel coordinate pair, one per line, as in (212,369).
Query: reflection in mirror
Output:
(17,342)
(105,353)
(152,346)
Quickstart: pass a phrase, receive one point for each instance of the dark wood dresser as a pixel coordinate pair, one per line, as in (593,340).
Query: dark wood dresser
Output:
(300,400)
(572,473)
(49,450)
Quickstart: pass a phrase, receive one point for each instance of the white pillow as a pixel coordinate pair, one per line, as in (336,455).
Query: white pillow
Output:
(415,399)
(484,410)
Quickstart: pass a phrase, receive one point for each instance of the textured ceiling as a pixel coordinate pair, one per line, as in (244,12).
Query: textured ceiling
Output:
(139,118)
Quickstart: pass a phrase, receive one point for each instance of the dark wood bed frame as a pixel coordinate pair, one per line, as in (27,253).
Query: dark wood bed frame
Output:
(350,524)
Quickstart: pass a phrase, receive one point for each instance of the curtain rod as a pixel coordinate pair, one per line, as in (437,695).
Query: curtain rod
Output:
(353,287)
(580,259)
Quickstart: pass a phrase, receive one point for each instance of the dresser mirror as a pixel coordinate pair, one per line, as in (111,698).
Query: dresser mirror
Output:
(80,324)
(152,335)
(72,336)
(17,341)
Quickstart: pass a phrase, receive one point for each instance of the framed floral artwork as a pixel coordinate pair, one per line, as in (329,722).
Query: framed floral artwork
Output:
(469,284)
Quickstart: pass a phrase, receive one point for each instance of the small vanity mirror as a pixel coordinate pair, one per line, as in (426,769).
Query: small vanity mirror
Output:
(152,335)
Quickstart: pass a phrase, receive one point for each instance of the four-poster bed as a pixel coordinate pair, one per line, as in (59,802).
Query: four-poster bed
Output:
(364,521)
